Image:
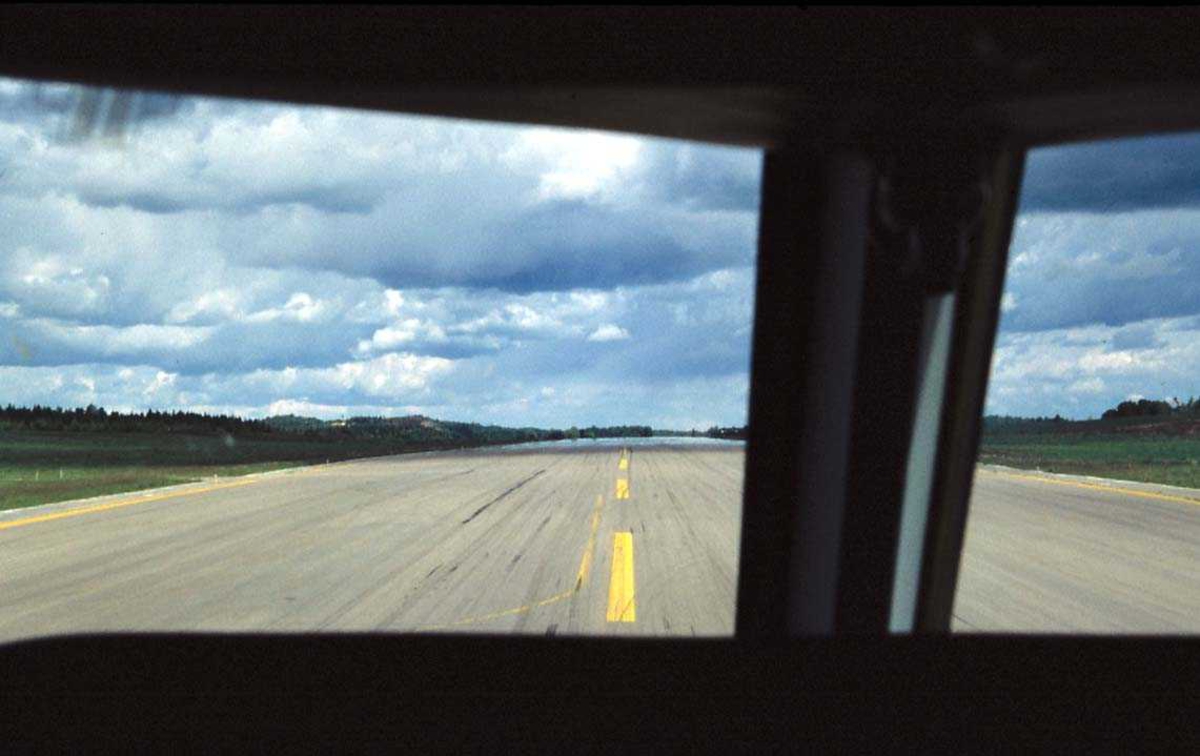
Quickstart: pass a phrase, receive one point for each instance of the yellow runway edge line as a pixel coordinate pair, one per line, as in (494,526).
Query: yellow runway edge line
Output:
(1097,487)
(621,606)
(121,503)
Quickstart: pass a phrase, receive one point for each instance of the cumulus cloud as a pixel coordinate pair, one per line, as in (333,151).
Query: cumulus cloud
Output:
(300,307)
(609,332)
(1103,285)
(329,261)
(1076,268)
(403,200)
(262,258)
(1081,372)
(569,173)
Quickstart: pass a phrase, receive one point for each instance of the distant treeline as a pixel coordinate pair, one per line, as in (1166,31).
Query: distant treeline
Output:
(420,428)
(732,432)
(1126,414)
(615,431)
(97,419)
(414,429)
(1154,408)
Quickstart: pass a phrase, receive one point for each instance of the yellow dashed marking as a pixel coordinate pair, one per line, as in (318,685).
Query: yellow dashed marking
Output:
(621,606)
(623,464)
(622,488)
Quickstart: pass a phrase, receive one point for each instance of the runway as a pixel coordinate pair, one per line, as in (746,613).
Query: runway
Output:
(485,542)
(590,540)
(1056,554)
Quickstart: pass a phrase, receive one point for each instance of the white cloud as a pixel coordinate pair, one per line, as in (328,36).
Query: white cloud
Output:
(400,334)
(609,332)
(574,164)
(1123,361)
(1078,372)
(393,301)
(591,301)
(1073,268)
(299,308)
(389,375)
(339,260)
(52,283)
(161,381)
(222,303)
(1087,386)
(307,409)
(127,341)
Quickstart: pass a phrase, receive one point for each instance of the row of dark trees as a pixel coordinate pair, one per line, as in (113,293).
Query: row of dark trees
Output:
(1125,413)
(414,428)
(1154,408)
(612,431)
(419,428)
(732,432)
(97,419)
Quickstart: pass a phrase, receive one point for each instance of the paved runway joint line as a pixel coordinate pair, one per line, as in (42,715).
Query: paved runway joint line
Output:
(621,606)
(585,563)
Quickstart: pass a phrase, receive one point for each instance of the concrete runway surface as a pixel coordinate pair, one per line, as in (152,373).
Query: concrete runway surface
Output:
(578,541)
(1059,554)
(484,542)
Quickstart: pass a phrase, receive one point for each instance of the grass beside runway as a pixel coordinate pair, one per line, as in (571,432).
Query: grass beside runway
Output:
(1166,459)
(38,484)
(42,468)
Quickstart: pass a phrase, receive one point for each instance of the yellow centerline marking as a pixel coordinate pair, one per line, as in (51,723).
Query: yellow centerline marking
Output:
(621,606)
(1097,487)
(623,464)
(622,488)
(146,499)
(585,566)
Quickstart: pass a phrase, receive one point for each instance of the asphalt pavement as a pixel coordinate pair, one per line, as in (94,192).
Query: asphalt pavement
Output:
(1059,554)
(486,542)
(593,540)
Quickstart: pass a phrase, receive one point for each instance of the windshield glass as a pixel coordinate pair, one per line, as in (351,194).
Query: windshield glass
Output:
(269,367)
(1085,514)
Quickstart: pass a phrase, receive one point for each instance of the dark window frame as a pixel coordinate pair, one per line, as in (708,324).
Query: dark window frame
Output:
(841,133)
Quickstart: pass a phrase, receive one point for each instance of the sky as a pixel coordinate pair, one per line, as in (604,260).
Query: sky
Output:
(1102,296)
(260,259)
